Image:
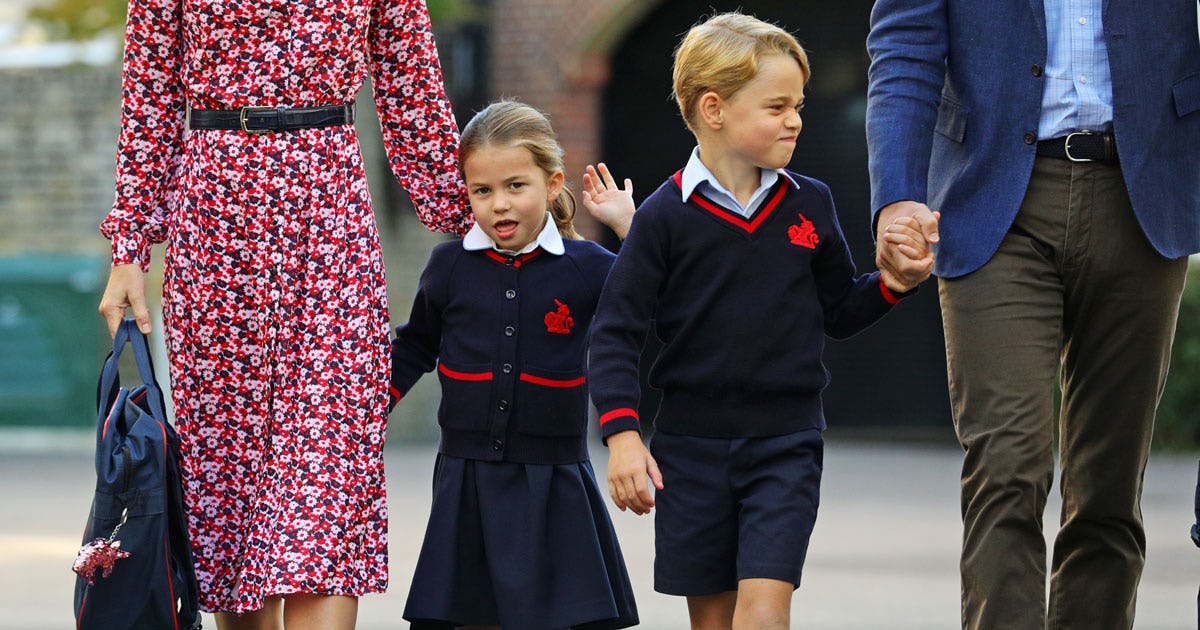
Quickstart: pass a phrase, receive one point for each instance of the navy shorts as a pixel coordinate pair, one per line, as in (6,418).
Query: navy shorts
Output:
(732,509)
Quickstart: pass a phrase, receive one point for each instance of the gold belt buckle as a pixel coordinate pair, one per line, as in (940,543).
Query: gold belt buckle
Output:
(242,119)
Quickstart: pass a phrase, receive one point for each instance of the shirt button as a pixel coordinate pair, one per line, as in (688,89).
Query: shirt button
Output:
(1037,70)
(1030,137)
(510,294)
(509,331)
(497,445)
(1083,20)
(1083,79)
(503,405)
(506,368)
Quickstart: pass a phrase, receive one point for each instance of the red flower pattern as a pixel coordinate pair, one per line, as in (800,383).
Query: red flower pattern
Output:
(273,296)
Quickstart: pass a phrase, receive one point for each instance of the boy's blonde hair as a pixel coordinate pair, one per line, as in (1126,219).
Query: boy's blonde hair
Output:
(722,54)
(514,124)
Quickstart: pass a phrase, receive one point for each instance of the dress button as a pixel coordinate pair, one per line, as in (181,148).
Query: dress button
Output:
(506,368)
(510,294)
(503,405)
(1037,70)
(509,331)
(497,445)
(1030,137)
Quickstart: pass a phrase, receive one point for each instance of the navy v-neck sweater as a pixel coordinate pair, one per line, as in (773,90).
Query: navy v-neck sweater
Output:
(742,307)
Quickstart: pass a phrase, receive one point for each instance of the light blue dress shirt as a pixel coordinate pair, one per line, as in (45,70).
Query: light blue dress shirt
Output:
(1078,92)
(696,175)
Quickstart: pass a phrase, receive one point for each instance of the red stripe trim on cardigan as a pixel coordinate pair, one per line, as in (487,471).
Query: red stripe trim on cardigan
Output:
(395,392)
(464,376)
(553,382)
(736,219)
(618,413)
(888,296)
(517,260)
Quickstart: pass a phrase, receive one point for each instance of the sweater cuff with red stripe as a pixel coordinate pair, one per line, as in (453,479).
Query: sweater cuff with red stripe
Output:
(618,420)
(893,297)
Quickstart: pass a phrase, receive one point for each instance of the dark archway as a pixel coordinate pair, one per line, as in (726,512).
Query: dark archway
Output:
(891,376)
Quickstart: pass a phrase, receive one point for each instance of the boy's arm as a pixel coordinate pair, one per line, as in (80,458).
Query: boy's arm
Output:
(622,320)
(850,302)
(417,343)
(610,205)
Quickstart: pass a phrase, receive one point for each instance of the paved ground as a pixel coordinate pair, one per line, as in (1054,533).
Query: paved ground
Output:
(884,554)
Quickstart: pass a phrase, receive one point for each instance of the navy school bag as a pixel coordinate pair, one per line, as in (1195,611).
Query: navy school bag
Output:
(135,569)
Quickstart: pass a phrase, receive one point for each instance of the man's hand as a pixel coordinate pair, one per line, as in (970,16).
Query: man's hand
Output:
(902,259)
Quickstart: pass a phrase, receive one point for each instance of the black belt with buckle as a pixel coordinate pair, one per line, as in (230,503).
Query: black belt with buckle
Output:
(258,120)
(1081,146)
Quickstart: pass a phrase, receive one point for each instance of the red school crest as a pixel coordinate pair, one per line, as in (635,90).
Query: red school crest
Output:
(560,321)
(805,234)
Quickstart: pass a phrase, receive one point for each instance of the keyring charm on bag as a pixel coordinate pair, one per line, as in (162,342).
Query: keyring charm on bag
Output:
(100,554)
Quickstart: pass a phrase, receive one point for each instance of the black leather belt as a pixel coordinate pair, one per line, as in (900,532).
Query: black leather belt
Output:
(1081,146)
(258,120)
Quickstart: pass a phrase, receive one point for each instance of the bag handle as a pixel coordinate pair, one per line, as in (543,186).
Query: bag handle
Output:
(128,332)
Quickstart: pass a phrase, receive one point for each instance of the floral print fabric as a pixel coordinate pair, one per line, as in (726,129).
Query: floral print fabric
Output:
(273,297)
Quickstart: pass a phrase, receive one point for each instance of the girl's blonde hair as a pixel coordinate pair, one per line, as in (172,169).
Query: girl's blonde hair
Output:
(513,124)
(722,54)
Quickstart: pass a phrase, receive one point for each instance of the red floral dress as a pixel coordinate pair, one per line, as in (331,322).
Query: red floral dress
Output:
(273,297)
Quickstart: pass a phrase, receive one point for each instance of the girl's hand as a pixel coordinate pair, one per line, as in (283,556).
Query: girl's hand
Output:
(629,463)
(126,289)
(610,205)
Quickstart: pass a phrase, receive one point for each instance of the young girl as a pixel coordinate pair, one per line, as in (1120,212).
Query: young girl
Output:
(518,532)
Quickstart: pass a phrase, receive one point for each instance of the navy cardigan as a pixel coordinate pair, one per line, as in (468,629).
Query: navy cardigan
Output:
(742,307)
(508,336)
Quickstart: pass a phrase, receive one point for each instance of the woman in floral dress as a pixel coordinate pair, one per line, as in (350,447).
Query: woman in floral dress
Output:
(274,301)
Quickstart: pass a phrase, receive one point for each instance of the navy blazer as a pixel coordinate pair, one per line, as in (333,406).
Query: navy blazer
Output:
(954,101)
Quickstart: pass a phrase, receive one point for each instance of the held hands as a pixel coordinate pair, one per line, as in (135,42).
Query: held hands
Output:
(629,463)
(906,231)
(126,289)
(610,205)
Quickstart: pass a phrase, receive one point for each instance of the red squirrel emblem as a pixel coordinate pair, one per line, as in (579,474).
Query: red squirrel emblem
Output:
(805,234)
(560,321)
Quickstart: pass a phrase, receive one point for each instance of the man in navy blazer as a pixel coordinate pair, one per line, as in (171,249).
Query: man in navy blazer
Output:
(1060,141)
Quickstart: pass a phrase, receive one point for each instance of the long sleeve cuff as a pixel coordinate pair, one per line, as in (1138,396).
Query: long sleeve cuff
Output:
(617,420)
(130,248)
(894,297)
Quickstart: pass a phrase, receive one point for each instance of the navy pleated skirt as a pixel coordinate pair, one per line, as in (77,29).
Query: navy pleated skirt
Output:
(522,546)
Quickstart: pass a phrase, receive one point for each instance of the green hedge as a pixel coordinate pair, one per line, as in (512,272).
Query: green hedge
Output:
(1178,423)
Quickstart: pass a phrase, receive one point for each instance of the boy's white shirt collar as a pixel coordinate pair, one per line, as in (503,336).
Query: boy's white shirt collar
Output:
(548,239)
(696,173)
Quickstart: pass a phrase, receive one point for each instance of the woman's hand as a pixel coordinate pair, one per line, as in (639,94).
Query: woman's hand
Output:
(126,289)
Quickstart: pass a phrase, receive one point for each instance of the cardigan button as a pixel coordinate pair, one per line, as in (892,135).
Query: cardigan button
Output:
(497,445)
(503,405)
(506,368)
(1030,137)
(509,331)
(510,294)
(1036,70)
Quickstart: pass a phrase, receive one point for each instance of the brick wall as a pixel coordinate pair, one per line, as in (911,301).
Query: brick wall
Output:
(58,129)
(568,41)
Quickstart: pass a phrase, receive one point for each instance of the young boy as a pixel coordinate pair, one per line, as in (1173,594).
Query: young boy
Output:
(743,268)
